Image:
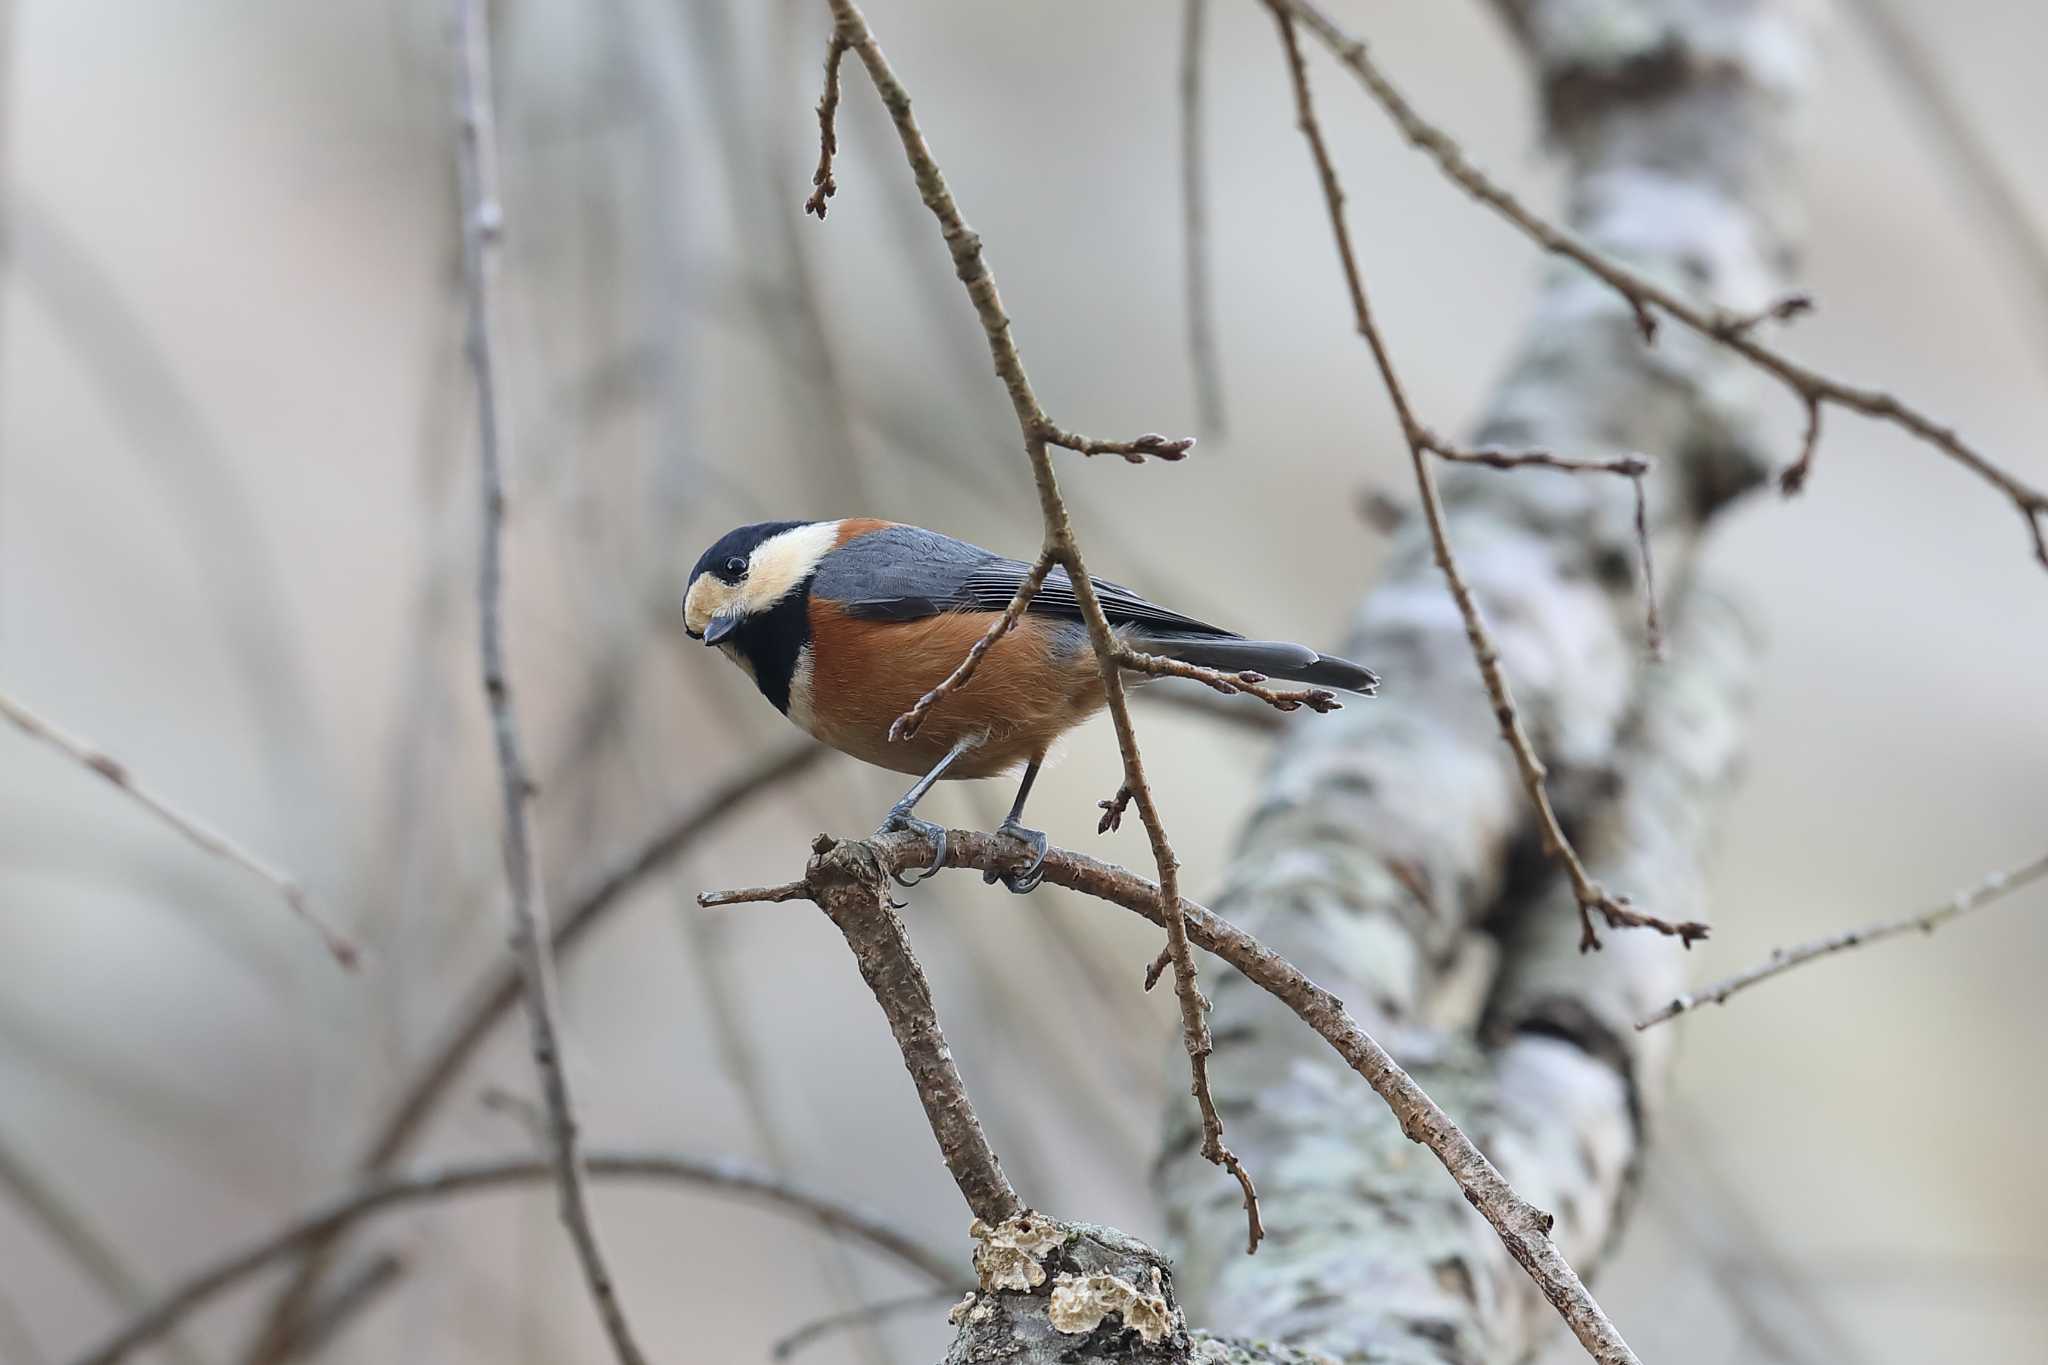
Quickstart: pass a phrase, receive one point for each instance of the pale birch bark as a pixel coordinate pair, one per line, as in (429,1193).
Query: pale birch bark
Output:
(1386,834)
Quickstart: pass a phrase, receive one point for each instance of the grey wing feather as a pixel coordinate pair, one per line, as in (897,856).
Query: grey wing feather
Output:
(903,573)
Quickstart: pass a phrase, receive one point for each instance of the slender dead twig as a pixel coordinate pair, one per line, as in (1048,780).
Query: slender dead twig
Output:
(908,724)
(824,186)
(1992,888)
(201,836)
(1204,360)
(1318,699)
(1634,468)
(323,1223)
(1522,1228)
(1646,298)
(789,1344)
(493,997)
(1062,548)
(1591,897)
(1137,450)
(482,225)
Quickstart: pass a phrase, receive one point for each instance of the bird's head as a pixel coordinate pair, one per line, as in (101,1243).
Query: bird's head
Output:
(748,571)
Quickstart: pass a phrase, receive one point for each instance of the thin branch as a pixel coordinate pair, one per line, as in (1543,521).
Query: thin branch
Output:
(818,1329)
(1061,547)
(1523,1229)
(1592,898)
(482,225)
(846,883)
(1634,468)
(101,1262)
(1992,888)
(203,837)
(1204,359)
(908,724)
(330,1219)
(1646,297)
(356,1293)
(1152,445)
(1320,700)
(828,132)
(494,996)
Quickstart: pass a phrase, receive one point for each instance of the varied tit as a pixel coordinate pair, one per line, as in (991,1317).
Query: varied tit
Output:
(845,624)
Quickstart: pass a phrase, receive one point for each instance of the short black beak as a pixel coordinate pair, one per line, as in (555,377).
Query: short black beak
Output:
(720,627)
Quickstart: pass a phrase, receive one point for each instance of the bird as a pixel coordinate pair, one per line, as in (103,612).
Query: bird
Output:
(843,625)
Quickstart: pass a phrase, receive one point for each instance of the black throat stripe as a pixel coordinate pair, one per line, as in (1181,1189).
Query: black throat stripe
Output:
(771,641)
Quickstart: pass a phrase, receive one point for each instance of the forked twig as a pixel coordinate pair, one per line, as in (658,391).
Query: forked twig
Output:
(1646,298)
(1591,897)
(1992,888)
(1061,547)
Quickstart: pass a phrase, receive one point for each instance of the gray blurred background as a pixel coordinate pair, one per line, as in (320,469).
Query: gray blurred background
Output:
(237,538)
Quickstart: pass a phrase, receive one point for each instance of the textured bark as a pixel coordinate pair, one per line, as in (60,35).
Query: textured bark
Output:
(1388,835)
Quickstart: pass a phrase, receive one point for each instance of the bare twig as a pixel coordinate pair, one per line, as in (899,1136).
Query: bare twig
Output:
(1320,700)
(482,224)
(500,991)
(828,132)
(209,840)
(69,1228)
(908,724)
(323,1223)
(1592,898)
(1203,357)
(1647,298)
(1992,888)
(355,1292)
(1060,546)
(816,1330)
(1523,1229)
(754,895)
(1137,450)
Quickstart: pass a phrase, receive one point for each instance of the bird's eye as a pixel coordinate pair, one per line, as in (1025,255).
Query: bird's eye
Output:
(736,567)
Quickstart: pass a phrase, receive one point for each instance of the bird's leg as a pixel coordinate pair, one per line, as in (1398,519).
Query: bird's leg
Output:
(1033,839)
(899,817)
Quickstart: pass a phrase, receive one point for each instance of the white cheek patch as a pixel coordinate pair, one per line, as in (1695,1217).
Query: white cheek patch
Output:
(781,562)
(800,692)
(706,598)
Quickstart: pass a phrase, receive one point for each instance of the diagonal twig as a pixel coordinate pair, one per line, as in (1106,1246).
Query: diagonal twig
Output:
(482,225)
(1647,298)
(823,185)
(201,836)
(1061,547)
(1592,898)
(1524,1230)
(1994,887)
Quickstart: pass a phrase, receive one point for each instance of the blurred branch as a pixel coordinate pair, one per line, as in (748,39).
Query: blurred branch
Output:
(482,226)
(1592,898)
(491,998)
(1198,279)
(1646,298)
(1969,153)
(70,1230)
(1039,432)
(323,1223)
(1992,888)
(199,835)
(811,1333)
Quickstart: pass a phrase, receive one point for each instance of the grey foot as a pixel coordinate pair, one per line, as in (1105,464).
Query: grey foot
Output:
(902,821)
(1026,881)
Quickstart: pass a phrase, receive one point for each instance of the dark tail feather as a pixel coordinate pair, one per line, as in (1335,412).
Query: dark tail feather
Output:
(1274,658)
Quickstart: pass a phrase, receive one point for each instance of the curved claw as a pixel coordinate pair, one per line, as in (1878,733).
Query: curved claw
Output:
(1026,880)
(910,824)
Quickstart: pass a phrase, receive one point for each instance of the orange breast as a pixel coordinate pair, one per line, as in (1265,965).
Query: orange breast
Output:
(864,674)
